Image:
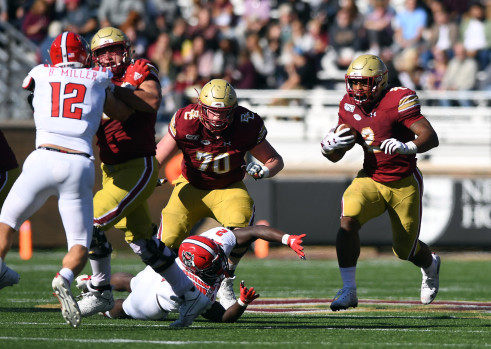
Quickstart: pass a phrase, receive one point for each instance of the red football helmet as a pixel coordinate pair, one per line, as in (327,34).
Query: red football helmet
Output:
(70,50)
(204,258)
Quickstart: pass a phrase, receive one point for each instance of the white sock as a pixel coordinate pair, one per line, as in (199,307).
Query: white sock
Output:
(67,274)
(101,269)
(348,276)
(179,282)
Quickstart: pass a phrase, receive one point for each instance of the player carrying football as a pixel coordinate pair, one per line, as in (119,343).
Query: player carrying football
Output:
(214,135)
(393,131)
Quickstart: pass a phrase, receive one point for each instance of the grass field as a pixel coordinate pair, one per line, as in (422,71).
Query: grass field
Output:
(292,312)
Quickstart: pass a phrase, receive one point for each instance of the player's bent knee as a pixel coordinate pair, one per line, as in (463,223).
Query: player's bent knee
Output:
(153,255)
(99,246)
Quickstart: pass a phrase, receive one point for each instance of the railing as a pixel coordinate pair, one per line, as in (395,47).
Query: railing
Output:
(17,58)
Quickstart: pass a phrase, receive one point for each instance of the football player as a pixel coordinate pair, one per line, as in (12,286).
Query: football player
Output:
(393,131)
(9,168)
(214,135)
(204,259)
(68,99)
(129,167)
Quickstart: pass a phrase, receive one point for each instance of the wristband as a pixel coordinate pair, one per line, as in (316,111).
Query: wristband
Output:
(242,304)
(128,85)
(284,239)
(265,172)
(411,148)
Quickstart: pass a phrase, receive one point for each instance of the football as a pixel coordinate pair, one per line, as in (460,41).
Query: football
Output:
(352,131)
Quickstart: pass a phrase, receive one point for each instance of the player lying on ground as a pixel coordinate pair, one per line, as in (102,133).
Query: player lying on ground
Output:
(204,259)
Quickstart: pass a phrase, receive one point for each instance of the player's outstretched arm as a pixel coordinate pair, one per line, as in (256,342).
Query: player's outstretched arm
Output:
(247,235)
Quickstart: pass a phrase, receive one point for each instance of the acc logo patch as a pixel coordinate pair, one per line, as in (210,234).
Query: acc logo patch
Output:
(246,117)
(349,107)
(192,137)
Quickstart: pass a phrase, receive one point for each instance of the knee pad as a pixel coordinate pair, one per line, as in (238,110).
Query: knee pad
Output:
(99,246)
(153,255)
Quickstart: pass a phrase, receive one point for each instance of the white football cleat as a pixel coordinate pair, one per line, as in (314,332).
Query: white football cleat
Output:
(97,300)
(344,299)
(431,282)
(192,304)
(69,307)
(226,293)
(8,277)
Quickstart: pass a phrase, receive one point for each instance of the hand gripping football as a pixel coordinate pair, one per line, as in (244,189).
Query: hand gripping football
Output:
(351,131)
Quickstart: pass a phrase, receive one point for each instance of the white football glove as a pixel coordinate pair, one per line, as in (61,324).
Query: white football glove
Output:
(392,146)
(257,171)
(336,140)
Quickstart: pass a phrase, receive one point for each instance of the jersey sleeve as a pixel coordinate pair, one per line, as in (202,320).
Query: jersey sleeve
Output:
(409,108)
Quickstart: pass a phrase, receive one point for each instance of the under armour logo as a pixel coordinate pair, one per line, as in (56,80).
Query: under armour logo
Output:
(227,143)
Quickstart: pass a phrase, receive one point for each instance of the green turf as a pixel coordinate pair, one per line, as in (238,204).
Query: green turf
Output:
(29,319)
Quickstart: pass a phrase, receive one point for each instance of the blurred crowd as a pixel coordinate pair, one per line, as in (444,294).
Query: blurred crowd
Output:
(280,44)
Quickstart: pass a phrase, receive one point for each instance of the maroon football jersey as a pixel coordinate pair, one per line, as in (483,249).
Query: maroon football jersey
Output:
(398,109)
(209,162)
(7,160)
(134,138)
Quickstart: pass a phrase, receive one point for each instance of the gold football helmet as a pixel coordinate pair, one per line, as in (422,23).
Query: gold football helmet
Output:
(120,46)
(217,102)
(370,70)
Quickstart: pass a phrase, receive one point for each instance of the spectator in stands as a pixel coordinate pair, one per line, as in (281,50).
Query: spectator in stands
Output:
(475,31)
(346,37)
(460,75)
(378,26)
(205,28)
(409,67)
(80,18)
(222,13)
(442,35)
(225,59)
(262,59)
(256,16)
(35,23)
(409,25)
(113,13)
(244,76)
(432,77)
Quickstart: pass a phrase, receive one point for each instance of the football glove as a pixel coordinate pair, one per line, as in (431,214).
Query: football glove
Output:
(247,295)
(392,146)
(295,243)
(136,73)
(257,171)
(336,140)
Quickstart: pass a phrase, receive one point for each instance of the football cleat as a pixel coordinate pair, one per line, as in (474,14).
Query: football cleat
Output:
(226,293)
(344,299)
(69,307)
(8,277)
(97,300)
(192,304)
(431,282)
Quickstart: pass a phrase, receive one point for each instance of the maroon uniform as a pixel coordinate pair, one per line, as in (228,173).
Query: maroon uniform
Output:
(210,162)
(134,138)
(7,160)
(398,109)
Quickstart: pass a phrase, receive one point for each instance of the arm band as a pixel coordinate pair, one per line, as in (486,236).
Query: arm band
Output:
(284,239)
(242,304)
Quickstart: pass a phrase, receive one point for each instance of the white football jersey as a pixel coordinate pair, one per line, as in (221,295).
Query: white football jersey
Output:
(68,104)
(223,237)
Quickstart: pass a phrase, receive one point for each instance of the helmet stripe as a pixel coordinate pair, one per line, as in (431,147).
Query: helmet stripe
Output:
(63,47)
(202,245)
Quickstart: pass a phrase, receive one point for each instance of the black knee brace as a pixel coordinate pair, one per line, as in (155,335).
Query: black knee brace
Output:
(154,256)
(99,246)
